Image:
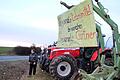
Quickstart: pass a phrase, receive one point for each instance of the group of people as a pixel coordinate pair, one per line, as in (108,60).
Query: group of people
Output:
(33,57)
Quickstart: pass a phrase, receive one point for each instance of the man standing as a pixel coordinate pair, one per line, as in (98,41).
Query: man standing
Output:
(33,58)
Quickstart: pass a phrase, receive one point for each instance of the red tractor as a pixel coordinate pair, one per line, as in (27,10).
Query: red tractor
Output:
(62,63)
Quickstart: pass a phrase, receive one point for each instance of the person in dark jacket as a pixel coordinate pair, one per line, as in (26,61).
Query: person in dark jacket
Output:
(33,58)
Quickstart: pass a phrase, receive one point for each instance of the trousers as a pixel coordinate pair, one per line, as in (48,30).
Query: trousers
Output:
(32,69)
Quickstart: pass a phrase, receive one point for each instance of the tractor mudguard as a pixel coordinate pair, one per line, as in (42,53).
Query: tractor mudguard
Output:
(95,54)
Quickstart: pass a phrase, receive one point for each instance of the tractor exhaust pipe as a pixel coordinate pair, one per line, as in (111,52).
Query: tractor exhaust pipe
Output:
(66,5)
(96,0)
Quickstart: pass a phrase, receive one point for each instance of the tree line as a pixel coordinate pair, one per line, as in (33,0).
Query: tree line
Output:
(19,50)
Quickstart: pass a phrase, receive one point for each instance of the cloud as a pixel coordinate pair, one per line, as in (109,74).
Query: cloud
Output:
(27,17)
(36,20)
(8,43)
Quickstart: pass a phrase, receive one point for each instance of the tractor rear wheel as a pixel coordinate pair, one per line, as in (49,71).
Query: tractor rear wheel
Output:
(62,67)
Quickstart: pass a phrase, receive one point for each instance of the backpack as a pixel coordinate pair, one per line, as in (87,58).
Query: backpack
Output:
(33,57)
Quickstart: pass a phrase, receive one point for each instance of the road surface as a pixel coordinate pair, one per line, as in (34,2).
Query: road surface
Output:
(13,58)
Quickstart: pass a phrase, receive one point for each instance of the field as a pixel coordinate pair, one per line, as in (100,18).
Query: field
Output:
(6,50)
(18,70)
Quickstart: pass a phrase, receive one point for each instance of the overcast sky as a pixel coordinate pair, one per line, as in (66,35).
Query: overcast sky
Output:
(23,22)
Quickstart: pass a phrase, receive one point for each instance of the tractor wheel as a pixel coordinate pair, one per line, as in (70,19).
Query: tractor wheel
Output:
(108,59)
(62,67)
(42,63)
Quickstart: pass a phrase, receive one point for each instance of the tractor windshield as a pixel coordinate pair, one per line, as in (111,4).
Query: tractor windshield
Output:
(109,42)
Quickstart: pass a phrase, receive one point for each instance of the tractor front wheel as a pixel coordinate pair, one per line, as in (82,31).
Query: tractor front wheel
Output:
(62,67)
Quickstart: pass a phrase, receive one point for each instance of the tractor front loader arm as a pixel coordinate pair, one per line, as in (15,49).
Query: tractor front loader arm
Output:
(113,70)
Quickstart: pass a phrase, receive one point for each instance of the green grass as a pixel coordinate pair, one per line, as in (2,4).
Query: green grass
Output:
(5,50)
